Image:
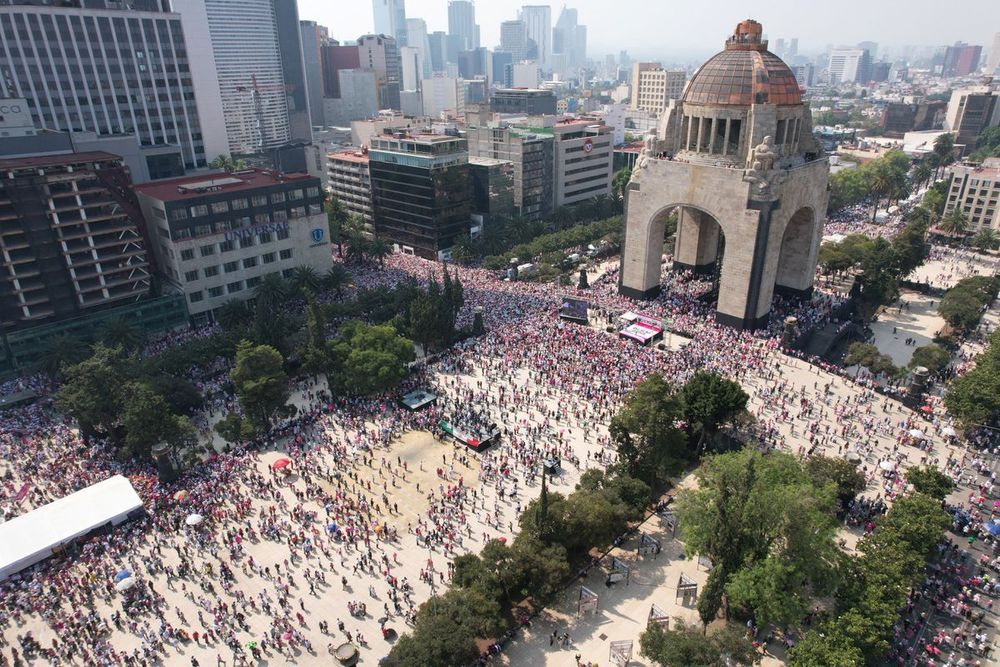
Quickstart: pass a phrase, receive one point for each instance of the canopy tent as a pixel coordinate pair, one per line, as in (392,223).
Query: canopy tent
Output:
(32,537)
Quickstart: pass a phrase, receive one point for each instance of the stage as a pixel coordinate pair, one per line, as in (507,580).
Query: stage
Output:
(641,328)
(470,437)
(418,399)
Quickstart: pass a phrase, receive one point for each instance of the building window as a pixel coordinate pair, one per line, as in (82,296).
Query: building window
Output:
(159,213)
(246,241)
(179,214)
(191,276)
(315,209)
(195,297)
(199,210)
(239,204)
(282,234)
(214,292)
(253,282)
(265,237)
(268,258)
(202,230)
(286,253)
(298,212)
(313,191)
(277,197)
(220,207)
(280,215)
(233,288)
(249,262)
(288,273)
(207,250)
(181,234)
(229,267)
(258,200)
(187,254)
(226,246)
(211,271)
(295,194)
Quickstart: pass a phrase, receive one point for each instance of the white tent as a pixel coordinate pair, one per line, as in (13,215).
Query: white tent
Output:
(32,537)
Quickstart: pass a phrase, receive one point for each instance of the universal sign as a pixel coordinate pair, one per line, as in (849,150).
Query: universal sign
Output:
(245,232)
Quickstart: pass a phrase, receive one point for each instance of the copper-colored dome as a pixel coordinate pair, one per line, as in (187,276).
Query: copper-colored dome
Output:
(745,73)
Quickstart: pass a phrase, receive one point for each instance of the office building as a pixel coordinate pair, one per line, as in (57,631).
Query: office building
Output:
(437,43)
(473,64)
(443,96)
(314,38)
(350,182)
(379,54)
(870,47)
(850,66)
(582,159)
(976,191)
(492,183)
(531,156)
(804,74)
(961,59)
(462,24)
(358,98)
(286,16)
(514,40)
(653,87)
(334,58)
(420,191)
(538,25)
(523,101)
(385,122)
(569,39)
(502,65)
(412,68)
(71,238)
(525,75)
(416,37)
(390,19)
(899,118)
(993,62)
(217,235)
(118,82)
(970,111)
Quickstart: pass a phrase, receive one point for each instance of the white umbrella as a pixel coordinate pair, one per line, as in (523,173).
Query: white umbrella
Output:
(916,433)
(887,465)
(949,431)
(193,519)
(125,584)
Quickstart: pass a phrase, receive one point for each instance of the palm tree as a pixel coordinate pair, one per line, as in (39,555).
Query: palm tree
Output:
(336,279)
(921,174)
(881,184)
(62,351)
(562,217)
(233,314)
(954,223)
(357,247)
(944,150)
(119,332)
(305,278)
(378,250)
(271,291)
(336,217)
(228,163)
(986,239)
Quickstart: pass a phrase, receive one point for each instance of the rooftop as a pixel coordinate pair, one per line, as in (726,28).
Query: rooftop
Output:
(53,160)
(192,187)
(356,156)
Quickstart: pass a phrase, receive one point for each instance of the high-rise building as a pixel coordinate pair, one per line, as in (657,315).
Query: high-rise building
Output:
(390,19)
(502,65)
(335,58)
(379,54)
(993,64)
(358,97)
(474,63)
(164,92)
(314,38)
(514,40)
(286,16)
(970,111)
(412,66)
(492,183)
(416,37)
(804,74)
(653,87)
(850,66)
(71,238)
(793,47)
(217,235)
(443,96)
(538,25)
(526,75)
(569,39)
(462,24)
(870,47)
(961,59)
(531,155)
(582,160)
(350,182)
(437,42)
(244,40)
(975,190)
(421,193)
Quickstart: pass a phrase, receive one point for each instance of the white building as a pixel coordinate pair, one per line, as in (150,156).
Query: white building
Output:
(350,182)
(976,192)
(390,19)
(849,65)
(526,75)
(244,38)
(412,65)
(514,40)
(416,37)
(615,116)
(993,62)
(358,98)
(443,94)
(653,87)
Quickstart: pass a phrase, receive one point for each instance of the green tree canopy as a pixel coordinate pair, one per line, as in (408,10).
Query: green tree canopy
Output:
(147,420)
(868,356)
(843,474)
(711,400)
(370,359)
(260,382)
(933,357)
(930,481)
(688,646)
(93,391)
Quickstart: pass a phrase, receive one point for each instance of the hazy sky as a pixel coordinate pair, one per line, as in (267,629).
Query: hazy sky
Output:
(681,28)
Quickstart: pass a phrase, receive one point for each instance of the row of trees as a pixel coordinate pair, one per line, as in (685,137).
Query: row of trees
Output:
(974,398)
(963,305)
(556,241)
(885,178)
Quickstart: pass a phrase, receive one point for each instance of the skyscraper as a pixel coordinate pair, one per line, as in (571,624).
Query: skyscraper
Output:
(462,23)
(314,38)
(286,16)
(244,39)
(416,35)
(390,19)
(437,43)
(110,85)
(993,64)
(569,39)
(850,65)
(379,54)
(514,40)
(961,59)
(538,24)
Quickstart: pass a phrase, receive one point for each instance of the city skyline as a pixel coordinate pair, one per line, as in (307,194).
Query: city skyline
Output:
(689,32)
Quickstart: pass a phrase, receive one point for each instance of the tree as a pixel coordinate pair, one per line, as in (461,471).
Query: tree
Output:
(181,395)
(909,246)
(768,529)
(931,481)
(260,383)
(233,428)
(370,359)
(357,247)
(711,400)
(228,163)
(962,308)
(831,649)
(305,279)
(234,314)
(847,480)
(62,350)
(119,332)
(147,420)
(619,182)
(336,279)
(647,431)
(378,250)
(269,323)
(93,390)
(933,357)
(879,276)
(986,239)
(868,356)
(336,217)
(974,398)
(944,150)
(922,173)
(317,354)
(686,645)
(463,250)
(955,223)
